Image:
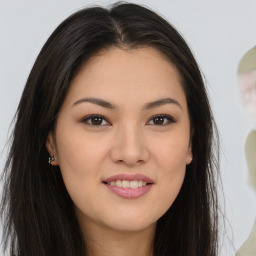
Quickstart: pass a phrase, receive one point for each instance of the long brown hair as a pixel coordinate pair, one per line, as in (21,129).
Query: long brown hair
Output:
(38,212)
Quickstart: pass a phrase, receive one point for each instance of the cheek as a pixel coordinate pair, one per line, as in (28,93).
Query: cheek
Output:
(80,153)
(173,163)
(248,89)
(80,160)
(171,151)
(170,156)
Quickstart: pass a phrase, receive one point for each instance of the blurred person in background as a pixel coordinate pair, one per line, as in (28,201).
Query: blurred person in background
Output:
(247,86)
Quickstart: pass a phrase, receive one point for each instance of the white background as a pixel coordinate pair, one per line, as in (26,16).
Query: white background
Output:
(218,32)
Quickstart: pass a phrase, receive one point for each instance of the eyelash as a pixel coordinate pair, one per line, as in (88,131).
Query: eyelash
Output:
(166,117)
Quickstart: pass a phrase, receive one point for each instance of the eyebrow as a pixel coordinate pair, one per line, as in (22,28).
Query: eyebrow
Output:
(106,104)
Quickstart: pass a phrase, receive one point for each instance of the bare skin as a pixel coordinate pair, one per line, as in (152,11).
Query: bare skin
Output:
(141,128)
(247,83)
(101,241)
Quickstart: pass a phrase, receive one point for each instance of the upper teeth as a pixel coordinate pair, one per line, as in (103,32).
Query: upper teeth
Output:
(128,184)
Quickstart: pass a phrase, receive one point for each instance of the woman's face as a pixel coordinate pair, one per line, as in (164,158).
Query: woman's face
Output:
(122,139)
(248,92)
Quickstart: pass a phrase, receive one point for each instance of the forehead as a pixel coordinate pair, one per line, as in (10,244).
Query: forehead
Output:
(141,73)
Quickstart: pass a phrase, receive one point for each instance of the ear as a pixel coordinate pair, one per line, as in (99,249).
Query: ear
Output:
(189,154)
(51,148)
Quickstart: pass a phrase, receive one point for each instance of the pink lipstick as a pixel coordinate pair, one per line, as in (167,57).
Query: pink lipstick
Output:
(129,185)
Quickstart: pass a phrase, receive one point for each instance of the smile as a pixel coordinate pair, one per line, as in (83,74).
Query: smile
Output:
(129,186)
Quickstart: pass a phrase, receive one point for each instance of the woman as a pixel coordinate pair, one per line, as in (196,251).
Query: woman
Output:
(116,102)
(247,83)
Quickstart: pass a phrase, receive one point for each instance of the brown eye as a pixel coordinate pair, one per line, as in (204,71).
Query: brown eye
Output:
(158,120)
(95,120)
(161,120)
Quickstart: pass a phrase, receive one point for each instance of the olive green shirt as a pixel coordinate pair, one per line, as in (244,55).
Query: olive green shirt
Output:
(249,246)
(250,151)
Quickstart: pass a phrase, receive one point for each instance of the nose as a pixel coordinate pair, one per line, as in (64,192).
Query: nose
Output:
(129,146)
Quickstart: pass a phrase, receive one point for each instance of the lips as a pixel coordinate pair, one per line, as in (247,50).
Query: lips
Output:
(129,185)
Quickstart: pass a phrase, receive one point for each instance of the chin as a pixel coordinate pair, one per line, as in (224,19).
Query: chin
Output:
(131,224)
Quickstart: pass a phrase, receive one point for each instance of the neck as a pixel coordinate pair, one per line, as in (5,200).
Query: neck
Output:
(102,241)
